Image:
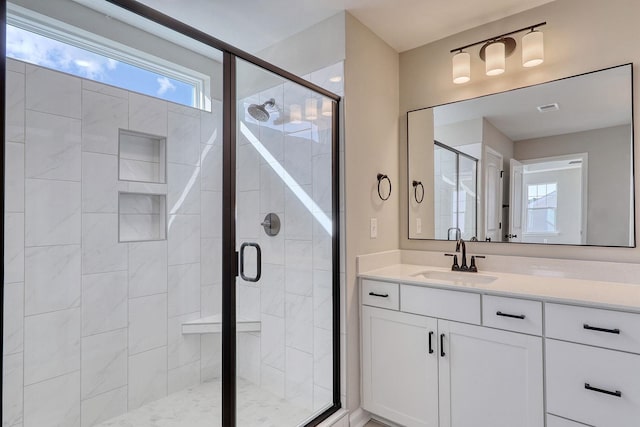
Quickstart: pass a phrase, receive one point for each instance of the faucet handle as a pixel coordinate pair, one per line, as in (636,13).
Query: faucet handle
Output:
(454,266)
(473,266)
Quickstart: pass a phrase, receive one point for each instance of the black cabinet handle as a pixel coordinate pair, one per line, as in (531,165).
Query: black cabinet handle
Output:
(442,354)
(593,328)
(616,393)
(430,346)
(373,294)
(513,316)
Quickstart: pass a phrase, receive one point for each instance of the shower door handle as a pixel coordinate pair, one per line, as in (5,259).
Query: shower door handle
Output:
(258,262)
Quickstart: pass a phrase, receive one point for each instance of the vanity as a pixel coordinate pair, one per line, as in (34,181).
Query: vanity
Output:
(515,344)
(453,349)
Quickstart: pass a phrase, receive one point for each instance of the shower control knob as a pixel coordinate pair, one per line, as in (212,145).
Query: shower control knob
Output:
(271,224)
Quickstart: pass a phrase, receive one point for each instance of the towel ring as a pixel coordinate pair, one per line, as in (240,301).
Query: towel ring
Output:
(382,177)
(417,184)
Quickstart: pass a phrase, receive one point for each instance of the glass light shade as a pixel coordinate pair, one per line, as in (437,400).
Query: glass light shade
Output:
(495,58)
(295,113)
(461,67)
(532,49)
(335,79)
(311,109)
(327,107)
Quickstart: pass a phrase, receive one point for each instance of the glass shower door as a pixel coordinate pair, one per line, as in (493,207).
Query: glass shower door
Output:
(284,230)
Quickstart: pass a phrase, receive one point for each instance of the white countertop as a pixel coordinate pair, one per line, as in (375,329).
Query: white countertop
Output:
(613,295)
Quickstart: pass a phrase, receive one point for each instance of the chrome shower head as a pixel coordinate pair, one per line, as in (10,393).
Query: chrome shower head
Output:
(259,112)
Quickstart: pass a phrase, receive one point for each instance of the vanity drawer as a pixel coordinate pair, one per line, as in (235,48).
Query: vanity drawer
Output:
(603,328)
(380,294)
(553,421)
(512,314)
(441,303)
(572,369)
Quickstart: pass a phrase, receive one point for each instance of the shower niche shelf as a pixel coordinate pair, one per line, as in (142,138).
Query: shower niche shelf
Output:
(142,217)
(141,157)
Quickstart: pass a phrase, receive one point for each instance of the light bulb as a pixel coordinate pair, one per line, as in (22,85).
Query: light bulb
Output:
(461,67)
(532,49)
(495,58)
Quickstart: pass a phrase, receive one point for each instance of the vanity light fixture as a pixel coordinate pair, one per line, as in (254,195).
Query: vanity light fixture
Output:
(495,50)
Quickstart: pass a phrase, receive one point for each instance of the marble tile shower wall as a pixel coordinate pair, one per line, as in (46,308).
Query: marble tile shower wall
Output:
(92,327)
(291,356)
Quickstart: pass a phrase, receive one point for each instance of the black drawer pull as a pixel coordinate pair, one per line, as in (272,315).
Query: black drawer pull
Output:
(442,354)
(616,393)
(513,316)
(430,345)
(593,328)
(373,294)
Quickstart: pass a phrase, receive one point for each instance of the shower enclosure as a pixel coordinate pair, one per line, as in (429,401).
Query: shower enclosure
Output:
(170,226)
(455,193)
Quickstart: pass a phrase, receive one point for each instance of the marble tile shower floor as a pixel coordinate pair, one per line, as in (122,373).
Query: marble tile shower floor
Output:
(200,407)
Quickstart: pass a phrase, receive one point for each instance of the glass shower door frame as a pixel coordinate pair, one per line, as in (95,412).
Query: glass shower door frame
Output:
(229,254)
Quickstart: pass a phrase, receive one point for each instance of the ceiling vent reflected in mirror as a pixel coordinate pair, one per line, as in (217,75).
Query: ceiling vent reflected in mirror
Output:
(548,107)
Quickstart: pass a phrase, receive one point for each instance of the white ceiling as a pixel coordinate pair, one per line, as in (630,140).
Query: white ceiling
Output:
(253,25)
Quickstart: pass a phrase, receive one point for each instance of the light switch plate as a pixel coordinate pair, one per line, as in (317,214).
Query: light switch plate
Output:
(374,228)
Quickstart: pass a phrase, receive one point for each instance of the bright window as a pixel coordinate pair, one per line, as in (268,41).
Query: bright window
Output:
(48,52)
(542,205)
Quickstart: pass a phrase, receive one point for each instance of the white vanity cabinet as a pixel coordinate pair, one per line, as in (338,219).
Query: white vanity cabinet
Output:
(489,377)
(588,378)
(419,370)
(399,372)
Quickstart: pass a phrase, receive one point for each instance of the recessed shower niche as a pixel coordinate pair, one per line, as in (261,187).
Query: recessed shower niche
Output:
(142,217)
(141,157)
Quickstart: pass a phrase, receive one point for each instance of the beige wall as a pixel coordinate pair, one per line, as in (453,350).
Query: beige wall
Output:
(371,146)
(580,36)
(421,158)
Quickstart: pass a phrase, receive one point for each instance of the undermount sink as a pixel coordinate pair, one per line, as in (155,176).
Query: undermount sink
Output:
(456,277)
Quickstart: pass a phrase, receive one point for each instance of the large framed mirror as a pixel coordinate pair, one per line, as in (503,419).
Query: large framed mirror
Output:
(547,164)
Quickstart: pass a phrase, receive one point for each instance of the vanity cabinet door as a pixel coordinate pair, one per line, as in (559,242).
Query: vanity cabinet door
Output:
(489,377)
(399,373)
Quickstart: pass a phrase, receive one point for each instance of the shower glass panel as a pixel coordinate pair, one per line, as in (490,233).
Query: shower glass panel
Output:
(112,278)
(284,210)
(455,196)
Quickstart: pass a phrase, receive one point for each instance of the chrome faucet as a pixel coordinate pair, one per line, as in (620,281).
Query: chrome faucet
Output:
(457,230)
